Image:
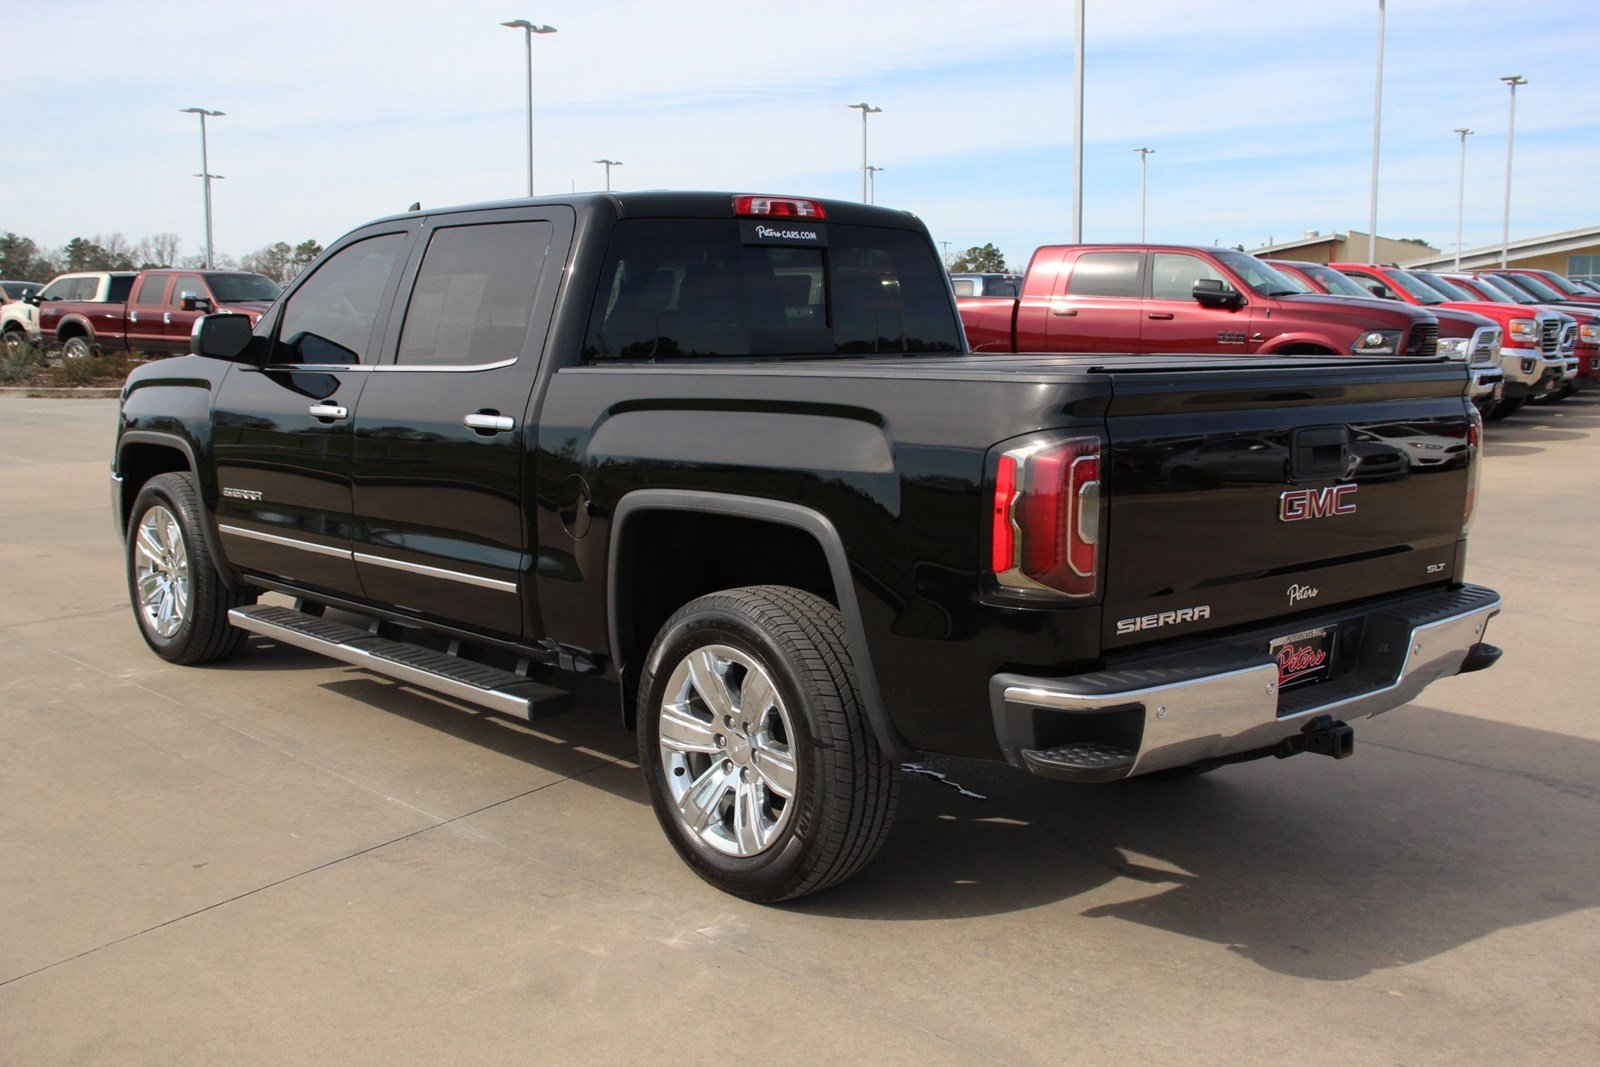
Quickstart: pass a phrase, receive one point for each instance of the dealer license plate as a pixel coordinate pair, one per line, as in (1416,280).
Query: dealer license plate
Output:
(1303,658)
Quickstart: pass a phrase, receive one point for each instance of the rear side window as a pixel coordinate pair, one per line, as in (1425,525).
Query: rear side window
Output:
(118,290)
(691,288)
(473,294)
(965,286)
(329,318)
(151,290)
(1105,274)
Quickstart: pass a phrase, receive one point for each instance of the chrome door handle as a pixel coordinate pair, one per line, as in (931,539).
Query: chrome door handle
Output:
(330,411)
(482,420)
(1160,315)
(1062,309)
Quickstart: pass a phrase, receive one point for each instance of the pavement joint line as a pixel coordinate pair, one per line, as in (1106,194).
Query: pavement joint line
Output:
(1584,792)
(298,874)
(64,618)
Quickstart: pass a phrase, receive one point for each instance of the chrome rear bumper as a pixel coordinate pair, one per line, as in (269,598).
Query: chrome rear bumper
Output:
(1211,702)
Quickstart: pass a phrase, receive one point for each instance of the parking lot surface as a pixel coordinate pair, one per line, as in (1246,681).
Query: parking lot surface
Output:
(283,859)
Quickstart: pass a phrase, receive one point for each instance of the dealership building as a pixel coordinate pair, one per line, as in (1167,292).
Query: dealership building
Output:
(1342,246)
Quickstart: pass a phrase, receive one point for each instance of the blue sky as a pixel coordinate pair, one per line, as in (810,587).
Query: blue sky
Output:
(1260,112)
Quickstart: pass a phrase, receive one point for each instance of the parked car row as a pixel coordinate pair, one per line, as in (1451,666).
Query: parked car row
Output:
(151,311)
(1522,335)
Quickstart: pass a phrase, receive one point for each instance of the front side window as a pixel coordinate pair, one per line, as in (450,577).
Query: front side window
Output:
(1260,276)
(1173,274)
(234,288)
(56,290)
(1105,274)
(1335,283)
(189,283)
(675,288)
(329,318)
(474,294)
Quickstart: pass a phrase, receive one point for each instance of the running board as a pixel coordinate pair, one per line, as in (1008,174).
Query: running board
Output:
(488,687)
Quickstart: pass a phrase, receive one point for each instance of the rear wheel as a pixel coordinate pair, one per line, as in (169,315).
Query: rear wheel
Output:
(76,347)
(178,596)
(762,768)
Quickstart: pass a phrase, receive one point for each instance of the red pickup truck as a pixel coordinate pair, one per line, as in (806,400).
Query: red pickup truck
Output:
(152,311)
(1463,335)
(1531,351)
(1161,298)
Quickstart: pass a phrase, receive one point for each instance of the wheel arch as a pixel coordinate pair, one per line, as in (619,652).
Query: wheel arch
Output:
(74,326)
(144,454)
(803,528)
(1299,344)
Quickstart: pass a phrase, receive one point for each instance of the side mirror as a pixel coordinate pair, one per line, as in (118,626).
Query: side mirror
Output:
(31,297)
(189,300)
(1379,290)
(223,336)
(1214,293)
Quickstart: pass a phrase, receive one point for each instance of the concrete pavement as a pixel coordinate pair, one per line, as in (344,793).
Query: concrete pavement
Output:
(281,859)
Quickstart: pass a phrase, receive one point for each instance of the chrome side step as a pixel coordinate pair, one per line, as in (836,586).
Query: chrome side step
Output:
(488,687)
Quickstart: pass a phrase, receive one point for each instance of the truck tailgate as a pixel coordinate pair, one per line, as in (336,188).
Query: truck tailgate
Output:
(1245,493)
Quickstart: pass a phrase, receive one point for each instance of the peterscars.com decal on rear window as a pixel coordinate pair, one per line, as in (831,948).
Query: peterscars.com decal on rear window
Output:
(797,234)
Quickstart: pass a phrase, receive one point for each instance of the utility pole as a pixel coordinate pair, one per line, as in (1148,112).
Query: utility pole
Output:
(1513,80)
(528,30)
(205,168)
(865,109)
(1461,187)
(1377,123)
(1144,154)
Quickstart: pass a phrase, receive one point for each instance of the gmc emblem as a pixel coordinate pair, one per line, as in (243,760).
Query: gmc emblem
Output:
(1297,505)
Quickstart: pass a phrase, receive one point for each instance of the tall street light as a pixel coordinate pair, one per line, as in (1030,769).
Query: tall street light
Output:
(865,109)
(1512,80)
(205,167)
(1377,123)
(528,30)
(1077,123)
(1461,186)
(872,184)
(609,163)
(1144,154)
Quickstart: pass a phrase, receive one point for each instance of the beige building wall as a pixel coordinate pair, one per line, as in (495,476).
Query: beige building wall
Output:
(1348,247)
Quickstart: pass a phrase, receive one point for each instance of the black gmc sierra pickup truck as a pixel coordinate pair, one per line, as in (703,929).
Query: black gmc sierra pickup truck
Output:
(732,452)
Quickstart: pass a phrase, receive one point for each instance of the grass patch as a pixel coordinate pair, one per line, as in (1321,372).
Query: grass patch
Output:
(109,368)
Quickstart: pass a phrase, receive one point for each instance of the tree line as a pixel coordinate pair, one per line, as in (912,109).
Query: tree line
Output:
(23,260)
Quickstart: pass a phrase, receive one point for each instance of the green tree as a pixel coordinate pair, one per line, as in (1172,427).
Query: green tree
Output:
(273,261)
(985,258)
(22,260)
(304,253)
(83,254)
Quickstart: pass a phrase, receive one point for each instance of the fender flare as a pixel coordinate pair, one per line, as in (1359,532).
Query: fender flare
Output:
(783,513)
(76,320)
(208,527)
(1284,340)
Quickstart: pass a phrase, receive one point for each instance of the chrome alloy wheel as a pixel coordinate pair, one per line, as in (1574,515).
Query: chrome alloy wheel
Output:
(161,571)
(727,750)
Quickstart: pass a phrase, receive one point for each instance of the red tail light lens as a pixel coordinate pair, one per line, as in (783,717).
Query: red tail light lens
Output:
(1045,522)
(786,206)
(1474,461)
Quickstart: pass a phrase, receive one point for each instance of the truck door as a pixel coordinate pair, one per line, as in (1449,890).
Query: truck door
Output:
(178,321)
(442,434)
(1174,321)
(146,305)
(283,431)
(1095,306)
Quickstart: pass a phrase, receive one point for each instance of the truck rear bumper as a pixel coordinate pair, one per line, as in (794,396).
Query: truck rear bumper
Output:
(1222,700)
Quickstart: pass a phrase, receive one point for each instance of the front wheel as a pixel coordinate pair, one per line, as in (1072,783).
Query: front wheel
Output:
(179,598)
(15,341)
(761,765)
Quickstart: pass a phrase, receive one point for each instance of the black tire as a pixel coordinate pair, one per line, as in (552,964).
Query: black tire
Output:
(1507,407)
(15,341)
(846,786)
(77,347)
(204,635)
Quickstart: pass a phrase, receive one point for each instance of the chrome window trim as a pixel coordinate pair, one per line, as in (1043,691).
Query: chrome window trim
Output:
(389,367)
(436,572)
(287,542)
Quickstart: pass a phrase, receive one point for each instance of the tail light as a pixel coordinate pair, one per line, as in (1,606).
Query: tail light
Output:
(1044,538)
(786,206)
(1474,462)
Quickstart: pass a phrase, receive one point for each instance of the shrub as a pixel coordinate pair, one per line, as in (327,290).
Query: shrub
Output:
(105,369)
(21,364)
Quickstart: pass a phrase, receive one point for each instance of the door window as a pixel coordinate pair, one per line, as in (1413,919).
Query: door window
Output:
(1106,274)
(473,295)
(152,290)
(188,283)
(56,290)
(1173,274)
(329,318)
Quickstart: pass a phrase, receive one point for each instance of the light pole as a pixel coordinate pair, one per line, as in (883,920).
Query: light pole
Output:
(1512,80)
(609,163)
(1077,123)
(872,184)
(1144,154)
(528,30)
(205,167)
(1461,187)
(865,109)
(1377,123)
